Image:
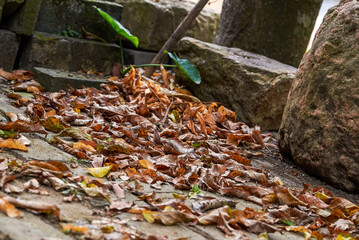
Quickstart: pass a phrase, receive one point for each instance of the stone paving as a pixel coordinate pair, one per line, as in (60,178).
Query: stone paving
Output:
(33,226)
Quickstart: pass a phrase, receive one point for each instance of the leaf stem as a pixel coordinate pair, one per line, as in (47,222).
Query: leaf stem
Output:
(122,60)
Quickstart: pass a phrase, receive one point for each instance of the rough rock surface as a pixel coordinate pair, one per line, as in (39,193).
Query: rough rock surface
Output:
(277,29)
(23,21)
(72,15)
(320,127)
(1,7)
(9,44)
(153,22)
(255,86)
(57,52)
(54,80)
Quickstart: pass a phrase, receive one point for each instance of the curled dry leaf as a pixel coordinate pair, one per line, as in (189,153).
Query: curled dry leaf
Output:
(13,117)
(9,209)
(21,126)
(46,208)
(13,144)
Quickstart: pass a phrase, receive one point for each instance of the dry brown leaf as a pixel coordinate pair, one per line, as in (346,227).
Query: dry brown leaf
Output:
(13,144)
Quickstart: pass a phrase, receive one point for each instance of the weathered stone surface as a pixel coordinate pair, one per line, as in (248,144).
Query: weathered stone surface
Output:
(137,57)
(1,7)
(54,80)
(11,6)
(320,128)
(255,86)
(23,21)
(57,16)
(9,44)
(70,54)
(154,22)
(277,29)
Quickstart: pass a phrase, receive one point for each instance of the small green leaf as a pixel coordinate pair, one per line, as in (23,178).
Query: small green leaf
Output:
(197,144)
(186,67)
(194,191)
(287,222)
(121,30)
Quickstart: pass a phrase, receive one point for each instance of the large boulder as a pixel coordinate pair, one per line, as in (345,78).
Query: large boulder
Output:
(254,86)
(153,22)
(320,127)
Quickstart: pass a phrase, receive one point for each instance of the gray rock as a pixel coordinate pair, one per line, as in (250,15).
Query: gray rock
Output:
(153,22)
(320,128)
(23,21)
(254,86)
(9,45)
(70,54)
(54,80)
(72,15)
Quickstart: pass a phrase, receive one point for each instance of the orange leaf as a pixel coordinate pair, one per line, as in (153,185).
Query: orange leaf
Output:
(68,228)
(146,164)
(83,147)
(9,209)
(14,144)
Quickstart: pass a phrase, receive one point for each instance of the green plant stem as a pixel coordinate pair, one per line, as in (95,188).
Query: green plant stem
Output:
(122,60)
(145,65)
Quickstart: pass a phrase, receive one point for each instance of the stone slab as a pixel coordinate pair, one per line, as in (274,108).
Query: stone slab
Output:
(55,80)
(60,16)
(9,45)
(40,150)
(137,57)
(30,227)
(23,21)
(70,54)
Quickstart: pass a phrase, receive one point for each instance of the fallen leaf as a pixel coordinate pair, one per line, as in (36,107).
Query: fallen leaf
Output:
(13,144)
(99,171)
(9,209)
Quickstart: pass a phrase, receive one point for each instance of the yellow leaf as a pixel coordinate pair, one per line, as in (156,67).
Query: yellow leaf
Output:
(14,144)
(77,110)
(148,215)
(341,237)
(146,164)
(99,171)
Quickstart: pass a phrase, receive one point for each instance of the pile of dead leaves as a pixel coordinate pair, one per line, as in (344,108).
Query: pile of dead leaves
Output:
(137,129)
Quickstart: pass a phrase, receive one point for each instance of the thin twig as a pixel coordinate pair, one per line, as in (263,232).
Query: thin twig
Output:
(167,111)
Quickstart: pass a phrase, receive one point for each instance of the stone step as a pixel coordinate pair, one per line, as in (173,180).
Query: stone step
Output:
(9,45)
(70,54)
(72,15)
(56,17)
(54,80)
